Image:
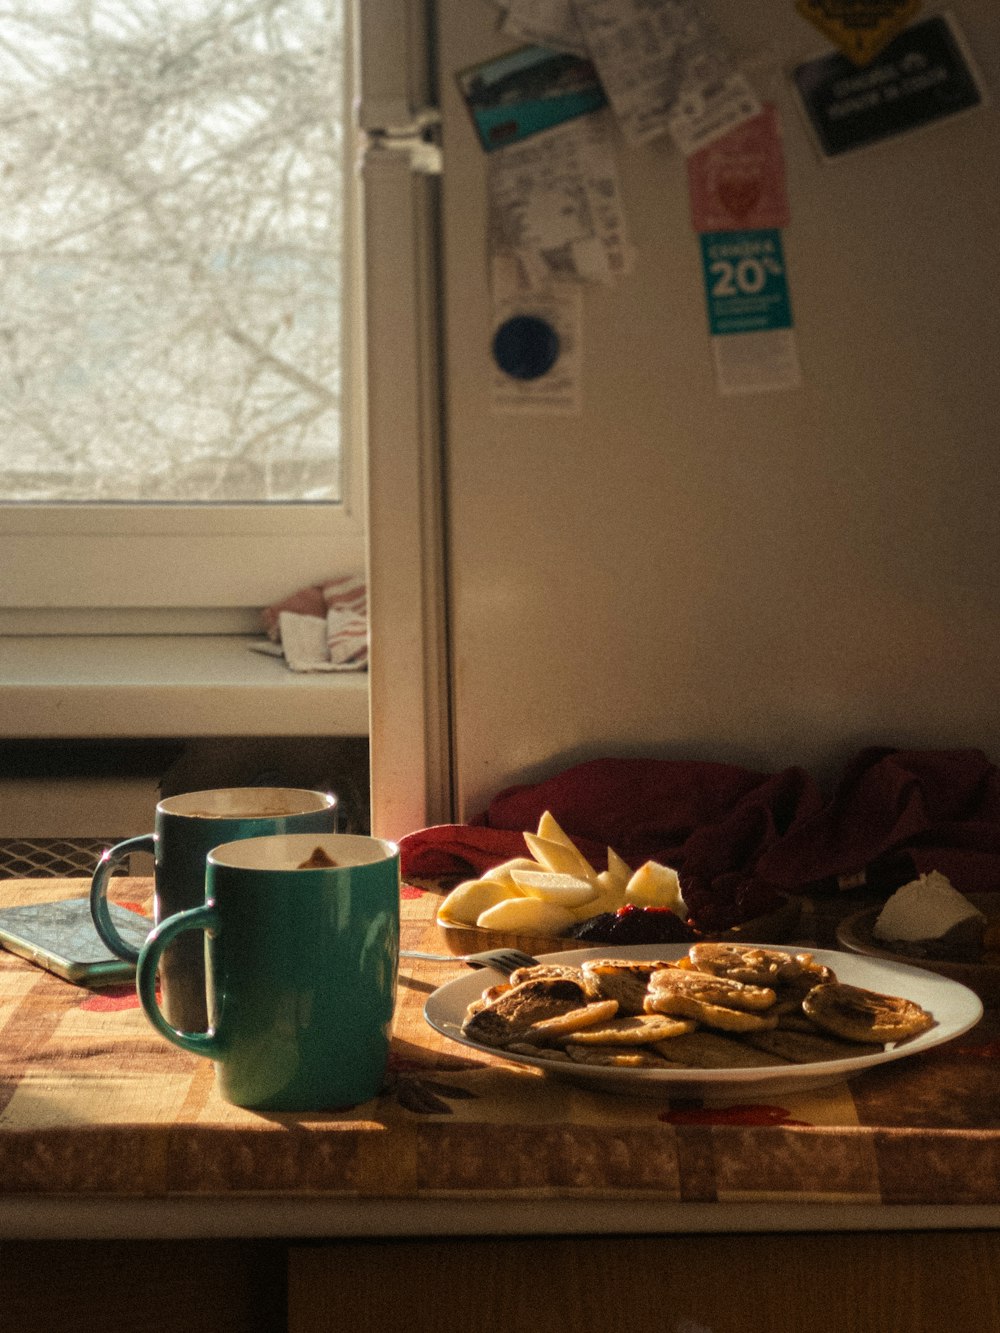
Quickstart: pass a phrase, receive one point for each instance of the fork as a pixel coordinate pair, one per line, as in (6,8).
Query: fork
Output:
(501,960)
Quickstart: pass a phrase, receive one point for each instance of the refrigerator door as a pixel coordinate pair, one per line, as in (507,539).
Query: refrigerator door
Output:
(767,578)
(408,683)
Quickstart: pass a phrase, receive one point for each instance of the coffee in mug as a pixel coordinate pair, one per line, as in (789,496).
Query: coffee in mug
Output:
(187,827)
(302,948)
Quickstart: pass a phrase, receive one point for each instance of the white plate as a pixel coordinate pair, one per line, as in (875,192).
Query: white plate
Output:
(955,1009)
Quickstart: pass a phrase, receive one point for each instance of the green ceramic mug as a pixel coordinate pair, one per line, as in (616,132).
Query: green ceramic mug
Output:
(301,960)
(187,827)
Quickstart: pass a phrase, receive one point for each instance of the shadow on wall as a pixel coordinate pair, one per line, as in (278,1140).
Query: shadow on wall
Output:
(337,764)
(63,802)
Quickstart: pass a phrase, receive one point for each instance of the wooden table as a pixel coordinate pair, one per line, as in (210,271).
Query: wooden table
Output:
(115,1148)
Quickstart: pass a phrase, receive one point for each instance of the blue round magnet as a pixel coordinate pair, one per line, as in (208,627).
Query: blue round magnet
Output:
(525,347)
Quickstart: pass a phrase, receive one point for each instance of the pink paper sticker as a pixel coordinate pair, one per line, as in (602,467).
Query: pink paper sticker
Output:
(737,183)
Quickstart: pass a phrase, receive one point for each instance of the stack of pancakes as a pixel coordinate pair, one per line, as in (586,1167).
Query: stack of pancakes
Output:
(721,1006)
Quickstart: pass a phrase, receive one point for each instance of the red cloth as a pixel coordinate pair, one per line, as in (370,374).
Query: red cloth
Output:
(710,817)
(933,809)
(893,814)
(305,602)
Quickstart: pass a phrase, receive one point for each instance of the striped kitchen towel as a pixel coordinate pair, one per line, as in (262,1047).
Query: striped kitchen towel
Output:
(320,628)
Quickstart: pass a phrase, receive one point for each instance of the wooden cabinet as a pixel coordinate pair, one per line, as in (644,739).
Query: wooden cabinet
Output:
(858,1282)
(814,1282)
(154,1286)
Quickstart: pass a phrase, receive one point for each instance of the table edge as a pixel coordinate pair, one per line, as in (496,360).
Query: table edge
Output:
(60,1217)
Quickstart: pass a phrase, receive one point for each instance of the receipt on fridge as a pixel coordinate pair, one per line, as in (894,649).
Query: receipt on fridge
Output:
(665,69)
(555,200)
(552,23)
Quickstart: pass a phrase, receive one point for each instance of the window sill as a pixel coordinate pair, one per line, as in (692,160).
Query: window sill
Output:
(168,686)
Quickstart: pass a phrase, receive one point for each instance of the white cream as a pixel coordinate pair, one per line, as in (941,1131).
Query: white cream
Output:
(924,909)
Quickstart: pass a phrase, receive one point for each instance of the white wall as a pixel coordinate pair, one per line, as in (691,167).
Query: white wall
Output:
(772,579)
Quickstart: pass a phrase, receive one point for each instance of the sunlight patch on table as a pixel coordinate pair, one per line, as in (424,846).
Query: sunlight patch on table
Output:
(43,1101)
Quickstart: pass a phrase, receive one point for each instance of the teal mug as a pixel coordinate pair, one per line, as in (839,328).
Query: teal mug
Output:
(187,827)
(301,959)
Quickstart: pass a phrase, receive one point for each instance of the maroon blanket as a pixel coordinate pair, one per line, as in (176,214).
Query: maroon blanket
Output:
(893,814)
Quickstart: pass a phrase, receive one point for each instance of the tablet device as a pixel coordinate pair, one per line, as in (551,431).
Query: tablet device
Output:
(62,938)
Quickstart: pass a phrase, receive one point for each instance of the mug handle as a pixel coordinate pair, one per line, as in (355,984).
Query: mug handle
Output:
(195,918)
(146,842)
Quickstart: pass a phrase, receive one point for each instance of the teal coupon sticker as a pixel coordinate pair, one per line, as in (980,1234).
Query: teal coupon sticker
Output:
(745,283)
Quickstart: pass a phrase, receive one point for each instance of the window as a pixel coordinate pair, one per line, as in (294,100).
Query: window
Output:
(176,227)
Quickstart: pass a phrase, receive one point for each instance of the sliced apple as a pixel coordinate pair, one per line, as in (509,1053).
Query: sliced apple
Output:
(610,895)
(549,828)
(531,916)
(551,887)
(560,858)
(618,867)
(602,902)
(467,901)
(503,873)
(655,885)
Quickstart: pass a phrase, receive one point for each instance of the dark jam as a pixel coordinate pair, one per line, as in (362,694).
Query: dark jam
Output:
(634,925)
(729,900)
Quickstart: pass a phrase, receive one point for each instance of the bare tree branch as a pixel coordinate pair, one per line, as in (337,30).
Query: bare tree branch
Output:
(169,241)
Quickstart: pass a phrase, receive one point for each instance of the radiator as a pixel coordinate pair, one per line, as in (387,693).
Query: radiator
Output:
(60,826)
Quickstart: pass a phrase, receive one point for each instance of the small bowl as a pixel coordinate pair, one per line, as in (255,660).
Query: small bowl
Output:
(772,928)
(856,934)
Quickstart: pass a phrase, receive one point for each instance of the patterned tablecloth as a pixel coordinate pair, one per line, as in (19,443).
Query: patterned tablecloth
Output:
(93,1103)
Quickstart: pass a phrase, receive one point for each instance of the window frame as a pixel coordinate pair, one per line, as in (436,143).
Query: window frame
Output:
(131,568)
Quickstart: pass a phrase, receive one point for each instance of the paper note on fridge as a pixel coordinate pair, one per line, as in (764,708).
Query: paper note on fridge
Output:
(555,202)
(551,22)
(737,183)
(666,70)
(559,306)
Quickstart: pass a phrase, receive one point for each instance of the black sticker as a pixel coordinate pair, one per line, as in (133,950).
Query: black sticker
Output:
(922,76)
(525,347)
